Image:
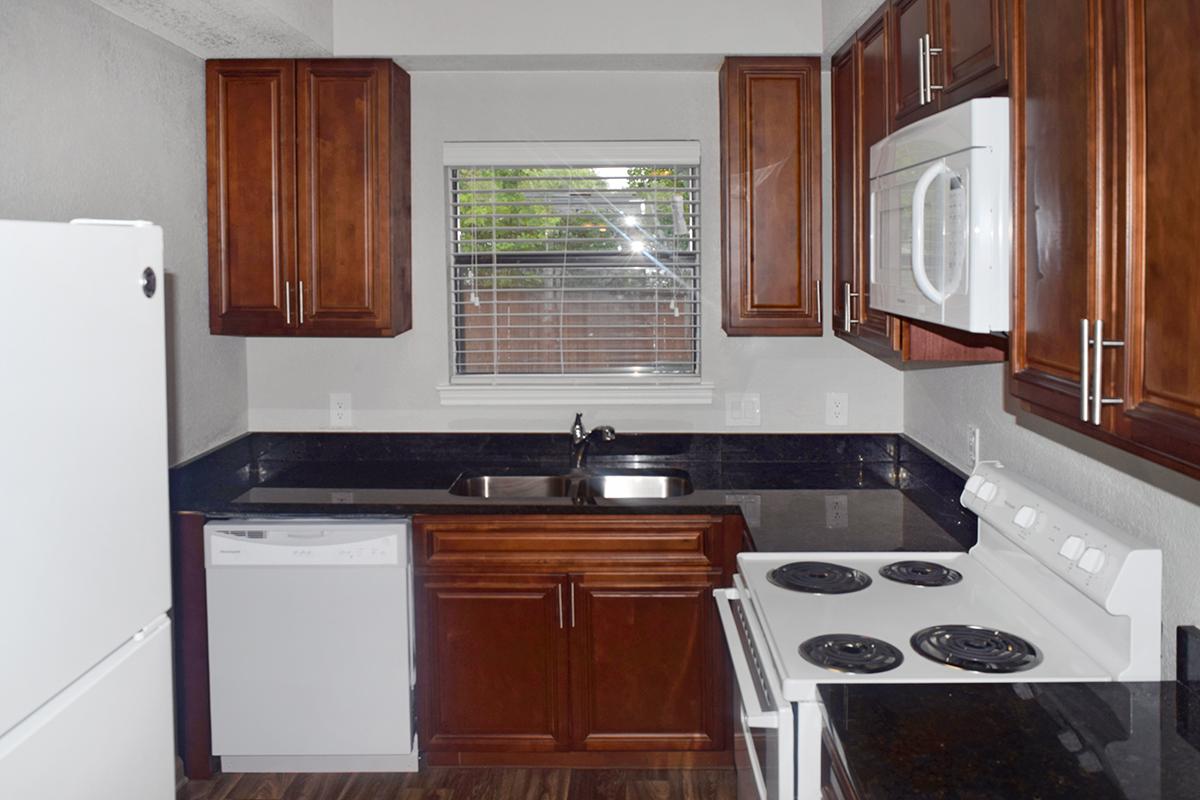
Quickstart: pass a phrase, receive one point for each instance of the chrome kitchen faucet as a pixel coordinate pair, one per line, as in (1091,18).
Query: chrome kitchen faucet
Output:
(581,439)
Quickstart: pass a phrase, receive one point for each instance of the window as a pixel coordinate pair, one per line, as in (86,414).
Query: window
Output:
(574,260)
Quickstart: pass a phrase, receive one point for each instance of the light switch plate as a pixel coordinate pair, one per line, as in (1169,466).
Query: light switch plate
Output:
(743,409)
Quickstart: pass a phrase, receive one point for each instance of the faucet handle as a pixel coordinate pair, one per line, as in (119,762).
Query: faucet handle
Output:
(606,432)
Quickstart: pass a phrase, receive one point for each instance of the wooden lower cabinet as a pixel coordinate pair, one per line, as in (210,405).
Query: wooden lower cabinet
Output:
(499,642)
(572,640)
(645,662)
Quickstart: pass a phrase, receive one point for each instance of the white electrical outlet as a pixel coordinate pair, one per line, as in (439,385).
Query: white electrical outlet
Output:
(837,409)
(340,410)
(743,410)
(837,511)
(973,446)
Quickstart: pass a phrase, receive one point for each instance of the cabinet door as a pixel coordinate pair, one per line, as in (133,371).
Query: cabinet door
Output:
(251,187)
(1161,411)
(646,662)
(974,58)
(493,662)
(911,22)
(771,187)
(846,169)
(873,125)
(1061,216)
(343,190)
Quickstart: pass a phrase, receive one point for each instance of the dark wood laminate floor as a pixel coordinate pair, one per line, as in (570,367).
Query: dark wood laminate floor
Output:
(457,783)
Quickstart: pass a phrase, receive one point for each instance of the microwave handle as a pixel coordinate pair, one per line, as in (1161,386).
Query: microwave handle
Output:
(872,236)
(756,715)
(918,234)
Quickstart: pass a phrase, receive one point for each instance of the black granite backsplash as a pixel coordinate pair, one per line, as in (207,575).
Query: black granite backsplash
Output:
(729,462)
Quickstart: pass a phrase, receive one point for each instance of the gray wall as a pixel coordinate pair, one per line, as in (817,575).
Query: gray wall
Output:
(1153,503)
(99,118)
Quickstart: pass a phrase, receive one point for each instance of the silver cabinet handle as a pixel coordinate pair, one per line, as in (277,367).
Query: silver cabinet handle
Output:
(287,301)
(930,52)
(1085,385)
(922,64)
(572,604)
(820,321)
(301,302)
(560,616)
(847,316)
(1098,398)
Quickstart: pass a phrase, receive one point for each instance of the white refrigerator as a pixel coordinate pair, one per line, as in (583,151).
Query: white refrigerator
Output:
(85,586)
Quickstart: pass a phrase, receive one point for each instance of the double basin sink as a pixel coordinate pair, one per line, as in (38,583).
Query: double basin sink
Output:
(606,484)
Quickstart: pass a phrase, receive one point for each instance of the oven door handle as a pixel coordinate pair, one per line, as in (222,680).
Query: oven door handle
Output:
(756,716)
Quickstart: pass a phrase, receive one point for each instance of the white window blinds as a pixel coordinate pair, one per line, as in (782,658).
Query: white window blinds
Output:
(585,268)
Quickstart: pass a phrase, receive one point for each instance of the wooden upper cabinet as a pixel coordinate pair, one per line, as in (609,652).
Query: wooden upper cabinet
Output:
(339,197)
(846,195)
(771,192)
(251,216)
(1060,208)
(974,41)
(500,642)
(1161,389)
(912,24)
(646,662)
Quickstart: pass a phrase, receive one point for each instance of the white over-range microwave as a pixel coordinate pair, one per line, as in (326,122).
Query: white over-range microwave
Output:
(940,210)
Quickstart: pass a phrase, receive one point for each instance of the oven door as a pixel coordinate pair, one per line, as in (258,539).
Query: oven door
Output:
(764,748)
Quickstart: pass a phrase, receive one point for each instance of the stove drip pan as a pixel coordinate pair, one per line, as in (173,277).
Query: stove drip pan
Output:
(819,577)
(921,573)
(848,652)
(976,649)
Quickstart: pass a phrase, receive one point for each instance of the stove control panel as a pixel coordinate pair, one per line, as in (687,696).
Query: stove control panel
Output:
(1097,559)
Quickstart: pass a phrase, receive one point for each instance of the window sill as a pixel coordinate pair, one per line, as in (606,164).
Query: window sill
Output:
(693,394)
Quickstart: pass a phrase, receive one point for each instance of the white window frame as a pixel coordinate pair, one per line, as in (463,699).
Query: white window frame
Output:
(540,390)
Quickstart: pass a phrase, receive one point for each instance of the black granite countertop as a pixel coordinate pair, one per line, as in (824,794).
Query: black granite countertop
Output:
(1032,741)
(798,493)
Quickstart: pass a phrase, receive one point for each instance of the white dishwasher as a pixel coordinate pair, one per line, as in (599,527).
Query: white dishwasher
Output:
(310,641)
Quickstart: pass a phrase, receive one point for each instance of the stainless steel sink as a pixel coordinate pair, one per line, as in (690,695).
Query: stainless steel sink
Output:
(614,484)
(512,486)
(637,484)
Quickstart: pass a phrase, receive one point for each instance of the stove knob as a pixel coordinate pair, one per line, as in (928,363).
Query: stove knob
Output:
(973,483)
(1072,548)
(1092,560)
(1025,517)
(987,492)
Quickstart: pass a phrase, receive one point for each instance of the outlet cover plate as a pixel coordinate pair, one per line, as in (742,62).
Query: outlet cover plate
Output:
(341,412)
(837,409)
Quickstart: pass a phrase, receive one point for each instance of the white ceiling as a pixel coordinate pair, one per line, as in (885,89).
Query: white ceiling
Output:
(235,28)
(672,35)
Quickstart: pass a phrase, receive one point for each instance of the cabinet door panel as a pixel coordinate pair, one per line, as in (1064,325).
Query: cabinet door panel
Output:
(494,656)
(771,178)
(874,121)
(1058,199)
(846,168)
(911,21)
(343,213)
(974,49)
(1162,408)
(251,184)
(645,662)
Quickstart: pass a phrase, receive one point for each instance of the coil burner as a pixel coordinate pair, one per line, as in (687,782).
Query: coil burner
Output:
(976,649)
(819,577)
(847,652)
(921,573)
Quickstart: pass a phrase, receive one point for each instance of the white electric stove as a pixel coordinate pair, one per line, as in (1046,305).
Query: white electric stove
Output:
(1049,593)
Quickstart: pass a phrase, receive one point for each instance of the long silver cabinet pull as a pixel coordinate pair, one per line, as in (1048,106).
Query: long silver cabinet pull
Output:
(572,604)
(1098,398)
(560,618)
(301,302)
(921,65)
(820,319)
(1085,384)
(847,315)
(930,52)
(287,301)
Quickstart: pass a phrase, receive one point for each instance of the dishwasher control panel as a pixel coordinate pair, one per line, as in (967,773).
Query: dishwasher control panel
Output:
(301,544)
